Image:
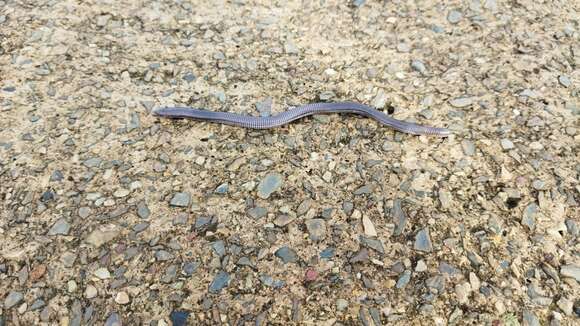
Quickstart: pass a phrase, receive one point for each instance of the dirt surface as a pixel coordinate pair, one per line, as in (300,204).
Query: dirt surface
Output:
(112,216)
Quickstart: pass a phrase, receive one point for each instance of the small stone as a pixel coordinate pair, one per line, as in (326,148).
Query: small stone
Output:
(189,77)
(361,256)
(538,184)
(12,299)
(222,189)
(190,267)
(462,292)
(419,66)
(102,273)
(358,3)
(310,275)
(290,48)
(374,244)
(423,241)
(316,229)
(163,255)
(56,176)
(399,217)
(265,107)
(535,122)
(364,190)
(120,193)
(450,270)
(461,102)
(90,292)
(178,318)
(566,305)
(530,319)
(403,280)
(454,16)
(37,272)
(368,227)
(103,235)
(113,320)
(507,144)
(341,304)
(403,47)
(282,220)
(219,282)
(327,253)
(140,227)
(92,162)
(468,147)
(180,199)
(445,198)
(84,212)
(122,298)
(270,183)
(326,95)
(564,81)
(529,216)
(380,100)
(421,266)
(436,282)
(572,271)
(219,247)
(287,255)
(257,212)
(60,227)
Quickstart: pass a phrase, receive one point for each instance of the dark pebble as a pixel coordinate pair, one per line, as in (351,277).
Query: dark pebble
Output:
(219,282)
(287,255)
(219,248)
(327,253)
(190,267)
(179,318)
(399,217)
(257,212)
(56,176)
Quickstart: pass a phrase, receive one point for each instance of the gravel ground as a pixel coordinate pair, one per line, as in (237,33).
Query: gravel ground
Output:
(112,216)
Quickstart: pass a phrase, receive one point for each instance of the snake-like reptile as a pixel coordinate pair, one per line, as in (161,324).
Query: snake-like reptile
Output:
(297,113)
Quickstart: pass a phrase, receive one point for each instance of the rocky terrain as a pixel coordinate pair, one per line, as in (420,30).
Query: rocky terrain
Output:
(111,216)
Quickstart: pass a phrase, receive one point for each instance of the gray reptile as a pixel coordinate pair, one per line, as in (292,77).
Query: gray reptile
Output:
(297,113)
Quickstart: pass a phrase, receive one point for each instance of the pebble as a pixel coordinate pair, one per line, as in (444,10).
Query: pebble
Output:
(566,305)
(368,227)
(222,189)
(538,184)
(462,292)
(92,162)
(461,102)
(529,215)
(265,107)
(219,247)
(326,95)
(180,199)
(90,292)
(60,227)
(399,217)
(219,282)
(113,320)
(327,253)
(120,193)
(287,255)
(374,244)
(468,147)
(56,176)
(84,212)
(102,273)
(418,66)
(341,304)
(421,266)
(190,267)
(454,16)
(316,229)
(506,144)
(122,298)
(282,220)
(103,235)
(257,212)
(403,280)
(178,318)
(530,319)
(572,271)
(12,299)
(564,80)
(163,255)
(270,183)
(423,241)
